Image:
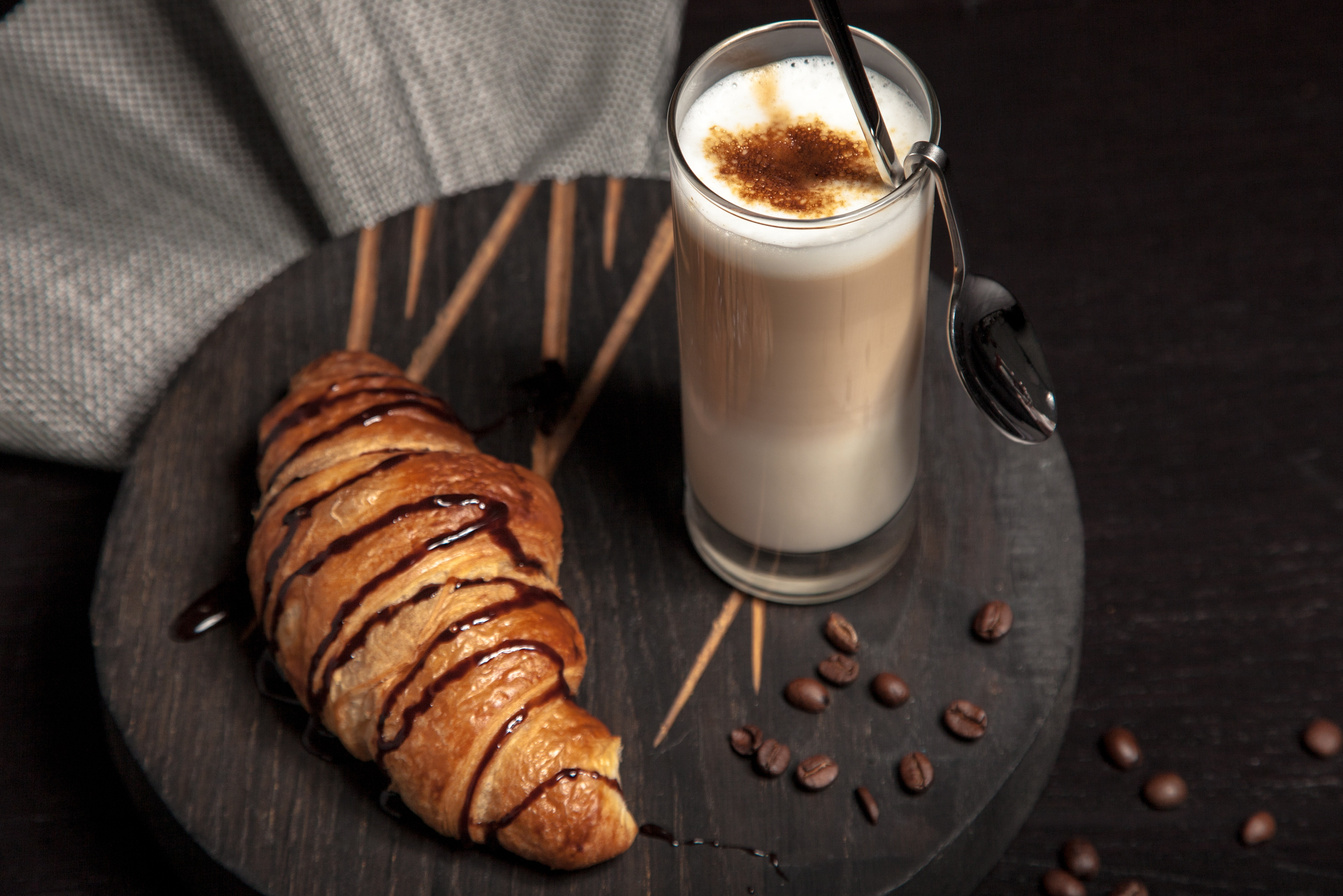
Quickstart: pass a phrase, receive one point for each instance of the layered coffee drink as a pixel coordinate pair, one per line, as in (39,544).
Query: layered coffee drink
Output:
(801,294)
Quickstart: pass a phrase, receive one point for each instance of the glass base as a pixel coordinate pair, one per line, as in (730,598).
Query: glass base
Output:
(798,578)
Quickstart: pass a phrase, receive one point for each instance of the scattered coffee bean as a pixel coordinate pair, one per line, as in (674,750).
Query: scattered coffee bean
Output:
(1260,827)
(773,758)
(1121,748)
(1130,887)
(993,620)
(868,803)
(965,720)
(840,632)
(807,694)
(916,772)
(746,740)
(1080,858)
(890,689)
(1322,737)
(839,669)
(1057,882)
(817,772)
(1166,790)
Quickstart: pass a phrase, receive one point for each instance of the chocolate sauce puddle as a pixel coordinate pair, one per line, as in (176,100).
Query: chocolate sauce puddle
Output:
(548,393)
(390,802)
(203,613)
(321,743)
(658,832)
(270,681)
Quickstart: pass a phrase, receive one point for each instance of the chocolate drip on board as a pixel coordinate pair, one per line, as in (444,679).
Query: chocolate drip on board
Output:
(203,613)
(366,417)
(321,743)
(657,832)
(390,802)
(270,682)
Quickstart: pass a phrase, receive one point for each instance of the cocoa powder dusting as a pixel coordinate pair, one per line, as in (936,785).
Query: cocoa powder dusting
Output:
(803,168)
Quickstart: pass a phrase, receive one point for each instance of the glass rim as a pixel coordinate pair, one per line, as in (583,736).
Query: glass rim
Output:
(907,185)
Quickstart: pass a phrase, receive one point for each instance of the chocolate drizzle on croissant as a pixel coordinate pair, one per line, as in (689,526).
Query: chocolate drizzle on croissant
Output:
(406,584)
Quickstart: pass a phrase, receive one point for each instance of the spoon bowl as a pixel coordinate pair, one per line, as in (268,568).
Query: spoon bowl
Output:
(992,342)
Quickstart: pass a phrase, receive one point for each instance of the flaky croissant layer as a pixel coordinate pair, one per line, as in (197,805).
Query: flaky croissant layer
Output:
(407,585)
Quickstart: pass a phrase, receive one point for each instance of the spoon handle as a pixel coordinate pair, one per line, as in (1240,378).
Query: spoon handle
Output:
(842,49)
(933,157)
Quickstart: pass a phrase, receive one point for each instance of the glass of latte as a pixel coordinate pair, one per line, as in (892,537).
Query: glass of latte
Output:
(801,282)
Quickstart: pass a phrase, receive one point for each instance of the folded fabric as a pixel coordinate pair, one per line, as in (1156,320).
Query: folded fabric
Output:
(160,159)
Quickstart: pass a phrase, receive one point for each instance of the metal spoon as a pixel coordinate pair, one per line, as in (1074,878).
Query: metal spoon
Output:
(995,351)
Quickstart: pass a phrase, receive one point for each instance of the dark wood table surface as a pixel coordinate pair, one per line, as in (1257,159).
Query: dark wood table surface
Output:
(1160,185)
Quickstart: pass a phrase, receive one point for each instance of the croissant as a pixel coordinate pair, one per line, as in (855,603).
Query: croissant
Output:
(407,585)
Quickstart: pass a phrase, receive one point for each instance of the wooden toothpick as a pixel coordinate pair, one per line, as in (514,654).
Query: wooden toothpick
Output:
(559,271)
(615,195)
(365,297)
(546,457)
(437,338)
(757,641)
(716,632)
(419,250)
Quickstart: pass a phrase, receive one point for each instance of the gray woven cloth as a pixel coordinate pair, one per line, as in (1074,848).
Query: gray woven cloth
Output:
(160,159)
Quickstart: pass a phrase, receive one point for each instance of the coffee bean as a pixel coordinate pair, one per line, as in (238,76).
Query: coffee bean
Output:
(993,620)
(1130,887)
(817,772)
(1080,858)
(840,632)
(1057,882)
(1323,738)
(890,689)
(746,740)
(773,758)
(1258,828)
(1166,790)
(807,694)
(965,720)
(916,772)
(868,803)
(839,669)
(1121,748)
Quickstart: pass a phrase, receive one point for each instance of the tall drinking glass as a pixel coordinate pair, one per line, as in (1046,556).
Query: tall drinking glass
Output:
(801,345)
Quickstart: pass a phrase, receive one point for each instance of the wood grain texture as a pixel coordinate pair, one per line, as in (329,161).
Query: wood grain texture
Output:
(996,519)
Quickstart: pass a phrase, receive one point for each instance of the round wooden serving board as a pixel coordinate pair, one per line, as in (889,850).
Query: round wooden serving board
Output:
(225,769)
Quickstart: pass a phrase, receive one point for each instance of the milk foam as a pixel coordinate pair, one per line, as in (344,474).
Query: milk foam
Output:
(793,90)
